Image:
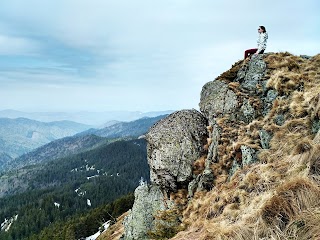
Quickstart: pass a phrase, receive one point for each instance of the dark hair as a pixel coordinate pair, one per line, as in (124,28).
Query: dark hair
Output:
(263,28)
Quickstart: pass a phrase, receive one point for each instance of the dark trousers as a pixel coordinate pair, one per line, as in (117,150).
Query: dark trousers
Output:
(251,51)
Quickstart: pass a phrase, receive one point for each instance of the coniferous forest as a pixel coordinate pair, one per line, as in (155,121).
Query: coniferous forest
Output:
(71,197)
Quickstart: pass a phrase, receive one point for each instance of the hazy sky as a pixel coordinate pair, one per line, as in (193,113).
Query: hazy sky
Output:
(145,55)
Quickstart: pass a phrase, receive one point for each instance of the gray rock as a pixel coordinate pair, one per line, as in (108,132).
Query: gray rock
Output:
(193,185)
(252,73)
(141,218)
(174,143)
(248,155)
(205,180)
(279,119)
(271,96)
(268,100)
(242,73)
(265,138)
(235,166)
(217,100)
(248,113)
(212,156)
(305,56)
(315,126)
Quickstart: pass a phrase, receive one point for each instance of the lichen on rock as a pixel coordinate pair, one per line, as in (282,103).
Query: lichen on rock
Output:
(217,100)
(174,143)
(149,199)
(252,74)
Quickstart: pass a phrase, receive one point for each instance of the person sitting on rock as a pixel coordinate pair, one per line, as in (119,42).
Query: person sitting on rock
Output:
(262,43)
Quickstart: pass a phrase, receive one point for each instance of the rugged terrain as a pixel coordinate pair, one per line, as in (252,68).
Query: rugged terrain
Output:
(246,167)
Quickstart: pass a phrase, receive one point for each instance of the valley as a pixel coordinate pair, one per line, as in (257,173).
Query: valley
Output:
(71,177)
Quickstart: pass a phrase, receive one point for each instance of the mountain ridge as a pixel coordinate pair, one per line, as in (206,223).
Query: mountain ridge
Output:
(260,176)
(20,135)
(82,141)
(84,117)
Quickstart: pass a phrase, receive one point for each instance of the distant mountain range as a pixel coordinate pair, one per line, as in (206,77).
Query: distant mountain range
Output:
(125,129)
(80,142)
(21,135)
(90,118)
(4,159)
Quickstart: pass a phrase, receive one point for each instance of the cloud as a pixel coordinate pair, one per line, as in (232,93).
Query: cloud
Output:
(158,54)
(10,45)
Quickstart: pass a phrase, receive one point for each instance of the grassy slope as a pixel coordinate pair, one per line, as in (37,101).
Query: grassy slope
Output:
(279,196)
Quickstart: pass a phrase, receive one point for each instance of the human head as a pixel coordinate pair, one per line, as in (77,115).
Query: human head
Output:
(263,29)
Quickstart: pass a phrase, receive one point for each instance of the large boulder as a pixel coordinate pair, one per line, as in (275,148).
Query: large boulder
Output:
(217,100)
(174,143)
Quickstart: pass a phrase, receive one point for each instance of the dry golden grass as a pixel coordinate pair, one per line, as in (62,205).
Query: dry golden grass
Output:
(199,165)
(278,197)
(115,231)
(231,74)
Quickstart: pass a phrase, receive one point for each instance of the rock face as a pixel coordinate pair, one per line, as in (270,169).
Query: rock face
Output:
(174,143)
(252,82)
(217,99)
(148,201)
(252,74)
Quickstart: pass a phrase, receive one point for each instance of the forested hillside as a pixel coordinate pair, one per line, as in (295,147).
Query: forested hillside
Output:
(85,224)
(80,142)
(73,185)
(56,149)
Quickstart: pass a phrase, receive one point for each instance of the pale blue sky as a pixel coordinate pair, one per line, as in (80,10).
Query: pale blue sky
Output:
(136,55)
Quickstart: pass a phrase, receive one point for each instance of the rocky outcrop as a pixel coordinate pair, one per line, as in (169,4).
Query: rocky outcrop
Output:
(141,219)
(248,110)
(177,141)
(217,100)
(251,74)
(174,143)
(241,98)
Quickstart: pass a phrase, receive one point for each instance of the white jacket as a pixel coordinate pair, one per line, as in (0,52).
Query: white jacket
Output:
(262,41)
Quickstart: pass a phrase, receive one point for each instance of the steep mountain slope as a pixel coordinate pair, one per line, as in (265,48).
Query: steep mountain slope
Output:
(19,180)
(56,149)
(260,178)
(21,135)
(278,196)
(73,185)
